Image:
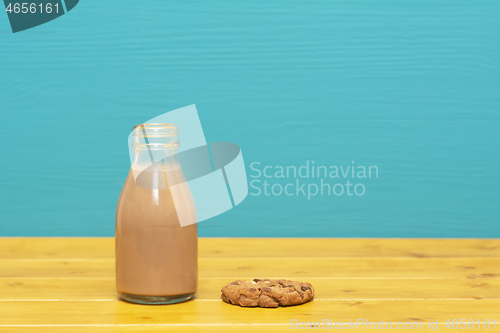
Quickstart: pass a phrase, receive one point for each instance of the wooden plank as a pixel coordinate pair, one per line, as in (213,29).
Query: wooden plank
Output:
(392,267)
(232,328)
(102,313)
(348,247)
(262,247)
(48,247)
(209,289)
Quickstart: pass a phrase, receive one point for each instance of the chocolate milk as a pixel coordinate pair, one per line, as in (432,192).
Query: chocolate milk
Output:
(156,258)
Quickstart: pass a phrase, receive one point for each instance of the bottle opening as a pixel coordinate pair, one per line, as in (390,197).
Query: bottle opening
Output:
(155,130)
(155,136)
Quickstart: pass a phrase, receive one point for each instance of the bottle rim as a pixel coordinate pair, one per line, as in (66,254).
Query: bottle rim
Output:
(155,136)
(155,130)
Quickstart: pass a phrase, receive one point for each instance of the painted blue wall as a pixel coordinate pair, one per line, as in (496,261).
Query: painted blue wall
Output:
(412,87)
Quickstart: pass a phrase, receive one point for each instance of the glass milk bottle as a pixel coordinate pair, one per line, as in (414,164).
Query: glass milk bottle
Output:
(156,258)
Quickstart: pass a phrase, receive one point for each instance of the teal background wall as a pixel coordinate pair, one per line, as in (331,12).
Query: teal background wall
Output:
(412,87)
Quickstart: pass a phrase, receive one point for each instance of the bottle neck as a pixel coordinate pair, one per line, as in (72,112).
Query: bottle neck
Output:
(156,143)
(166,157)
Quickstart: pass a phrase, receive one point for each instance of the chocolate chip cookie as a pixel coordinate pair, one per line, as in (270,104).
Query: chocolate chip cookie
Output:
(267,293)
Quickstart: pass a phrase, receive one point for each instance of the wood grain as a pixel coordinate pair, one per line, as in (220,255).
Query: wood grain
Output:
(209,289)
(102,313)
(67,285)
(242,268)
(81,247)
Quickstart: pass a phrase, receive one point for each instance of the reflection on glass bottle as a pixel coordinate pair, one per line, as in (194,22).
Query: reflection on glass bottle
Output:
(156,258)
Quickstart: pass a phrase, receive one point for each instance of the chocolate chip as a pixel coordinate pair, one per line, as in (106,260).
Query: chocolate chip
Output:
(305,288)
(266,289)
(234,283)
(256,280)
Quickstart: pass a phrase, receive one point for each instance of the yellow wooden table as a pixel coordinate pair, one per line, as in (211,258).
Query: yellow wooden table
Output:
(67,285)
